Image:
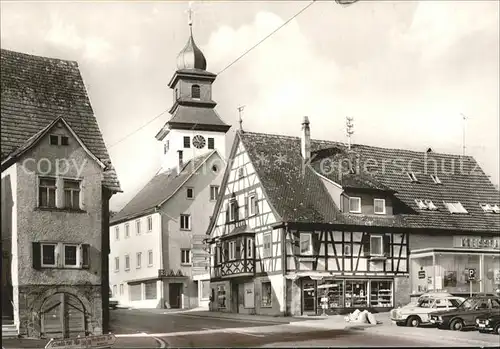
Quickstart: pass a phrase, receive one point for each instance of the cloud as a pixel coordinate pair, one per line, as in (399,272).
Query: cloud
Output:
(65,35)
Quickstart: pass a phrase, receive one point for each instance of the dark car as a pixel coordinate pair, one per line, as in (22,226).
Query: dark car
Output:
(467,313)
(488,323)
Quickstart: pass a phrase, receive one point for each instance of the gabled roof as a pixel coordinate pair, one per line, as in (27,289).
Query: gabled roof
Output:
(33,140)
(37,90)
(160,189)
(303,198)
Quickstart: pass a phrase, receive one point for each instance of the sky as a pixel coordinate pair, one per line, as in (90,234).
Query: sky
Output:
(405,71)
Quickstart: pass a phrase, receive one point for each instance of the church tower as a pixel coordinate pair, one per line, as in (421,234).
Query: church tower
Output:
(195,127)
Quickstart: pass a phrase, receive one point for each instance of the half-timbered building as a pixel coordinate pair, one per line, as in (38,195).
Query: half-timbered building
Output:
(306,227)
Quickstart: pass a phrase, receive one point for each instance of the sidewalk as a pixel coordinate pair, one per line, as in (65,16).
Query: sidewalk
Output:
(134,342)
(337,322)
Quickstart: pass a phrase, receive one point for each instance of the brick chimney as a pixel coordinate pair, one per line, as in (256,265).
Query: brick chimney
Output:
(305,140)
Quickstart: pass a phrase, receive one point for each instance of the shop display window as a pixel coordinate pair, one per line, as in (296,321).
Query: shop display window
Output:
(452,272)
(267,294)
(381,293)
(356,294)
(333,291)
(221,296)
(491,273)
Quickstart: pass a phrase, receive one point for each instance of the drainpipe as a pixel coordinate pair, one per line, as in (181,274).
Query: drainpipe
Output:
(160,238)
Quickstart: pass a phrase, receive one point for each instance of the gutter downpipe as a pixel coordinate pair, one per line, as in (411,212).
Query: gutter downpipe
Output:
(160,237)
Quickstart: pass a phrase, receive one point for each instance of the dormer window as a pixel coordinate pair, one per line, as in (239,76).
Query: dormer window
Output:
(59,140)
(436,179)
(490,208)
(496,209)
(412,177)
(379,206)
(420,204)
(355,205)
(430,205)
(455,207)
(195,91)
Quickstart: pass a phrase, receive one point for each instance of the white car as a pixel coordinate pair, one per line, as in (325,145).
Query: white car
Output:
(415,314)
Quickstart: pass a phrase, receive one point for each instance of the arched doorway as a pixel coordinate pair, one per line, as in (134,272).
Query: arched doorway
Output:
(62,316)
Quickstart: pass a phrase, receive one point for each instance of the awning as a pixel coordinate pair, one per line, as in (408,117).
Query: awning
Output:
(314,275)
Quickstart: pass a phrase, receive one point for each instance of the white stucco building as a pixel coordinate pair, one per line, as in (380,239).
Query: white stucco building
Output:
(158,258)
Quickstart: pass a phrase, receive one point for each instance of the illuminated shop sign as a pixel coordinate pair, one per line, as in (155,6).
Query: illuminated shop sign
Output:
(477,242)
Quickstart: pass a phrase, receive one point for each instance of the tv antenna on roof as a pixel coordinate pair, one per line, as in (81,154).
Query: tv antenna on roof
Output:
(464,118)
(349,130)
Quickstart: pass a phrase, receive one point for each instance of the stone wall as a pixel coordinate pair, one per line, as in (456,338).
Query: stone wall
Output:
(32,297)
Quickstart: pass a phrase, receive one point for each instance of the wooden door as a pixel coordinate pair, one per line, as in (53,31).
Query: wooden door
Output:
(62,316)
(174,295)
(309,299)
(234,298)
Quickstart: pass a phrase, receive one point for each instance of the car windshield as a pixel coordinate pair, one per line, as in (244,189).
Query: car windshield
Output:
(425,302)
(470,304)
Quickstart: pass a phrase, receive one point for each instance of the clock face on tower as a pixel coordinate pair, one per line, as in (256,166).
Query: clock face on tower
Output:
(199,141)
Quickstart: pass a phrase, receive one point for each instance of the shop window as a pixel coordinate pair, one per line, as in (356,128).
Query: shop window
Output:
(267,295)
(376,246)
(356,294)
(135,292)
(150,289)
(333,291)
(221,296)
(381,294)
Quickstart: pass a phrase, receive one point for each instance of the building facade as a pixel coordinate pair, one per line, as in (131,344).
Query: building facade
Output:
(56,184)
(306,226)
(158,256)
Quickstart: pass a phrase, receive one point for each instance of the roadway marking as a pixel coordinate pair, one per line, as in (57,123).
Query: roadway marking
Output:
(160,341)
(247,333)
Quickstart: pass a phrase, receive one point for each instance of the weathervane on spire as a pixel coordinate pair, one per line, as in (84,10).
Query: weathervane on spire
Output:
(240,110)
(349,130)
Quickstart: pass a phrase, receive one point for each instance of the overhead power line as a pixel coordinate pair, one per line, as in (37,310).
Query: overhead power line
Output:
(227,67)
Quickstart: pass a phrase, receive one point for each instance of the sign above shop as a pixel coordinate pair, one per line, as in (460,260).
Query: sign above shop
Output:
(421,274)
(476,242)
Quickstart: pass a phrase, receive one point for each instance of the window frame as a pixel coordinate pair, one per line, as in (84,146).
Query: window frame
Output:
(47,189)
(138,226)
(249,253)
(72,191)
(350,206)
(252,199)
(195,88)
(264,254)
(186,142)
(436,179)
(374,206)
(78,261)
(150,258)
(232,211)
(42,264)
(232,250)
(185,216)
(211,143)
(309,251)
(270,304)
(117,264)
(127,230)
(150,224)
(214,189)
(127,259)
(381,238)
(185,252)
(59,140)
(138,260)
(117,233)
(412,176)
(190,189)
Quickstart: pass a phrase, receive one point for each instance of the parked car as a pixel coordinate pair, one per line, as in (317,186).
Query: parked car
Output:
(415,314)
(467,313)
(113,302)
(488,323)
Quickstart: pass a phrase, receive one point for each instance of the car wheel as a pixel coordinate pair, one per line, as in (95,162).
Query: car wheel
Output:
(457,325)
(413,321)
(497,329)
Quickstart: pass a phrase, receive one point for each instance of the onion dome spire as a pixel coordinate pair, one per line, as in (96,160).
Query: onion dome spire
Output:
(191,56)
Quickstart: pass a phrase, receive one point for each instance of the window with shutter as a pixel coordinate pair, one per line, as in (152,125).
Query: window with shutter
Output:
(365,242)
(36,255)
(387,245)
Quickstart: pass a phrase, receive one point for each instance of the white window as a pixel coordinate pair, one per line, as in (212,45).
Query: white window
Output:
(121,289)
(376,246)
(185,256)
(150,224)
(185,222)
(138,260)
(46,192)
(117,233)
(138,227)
(72,194)
(71,256)
(420,204)
(267,295)
(251,205)
(189,193)
(355,204)
(49,255)
(127,230)
(232,250)
(150,258)
(455,207)
(412,177)
(306,243)
(117,263)
(486,207)
(233,211)
(127,262)
(267,245)
(430,205)
(379,206)
(214,192)
(249,248)
(436,179)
